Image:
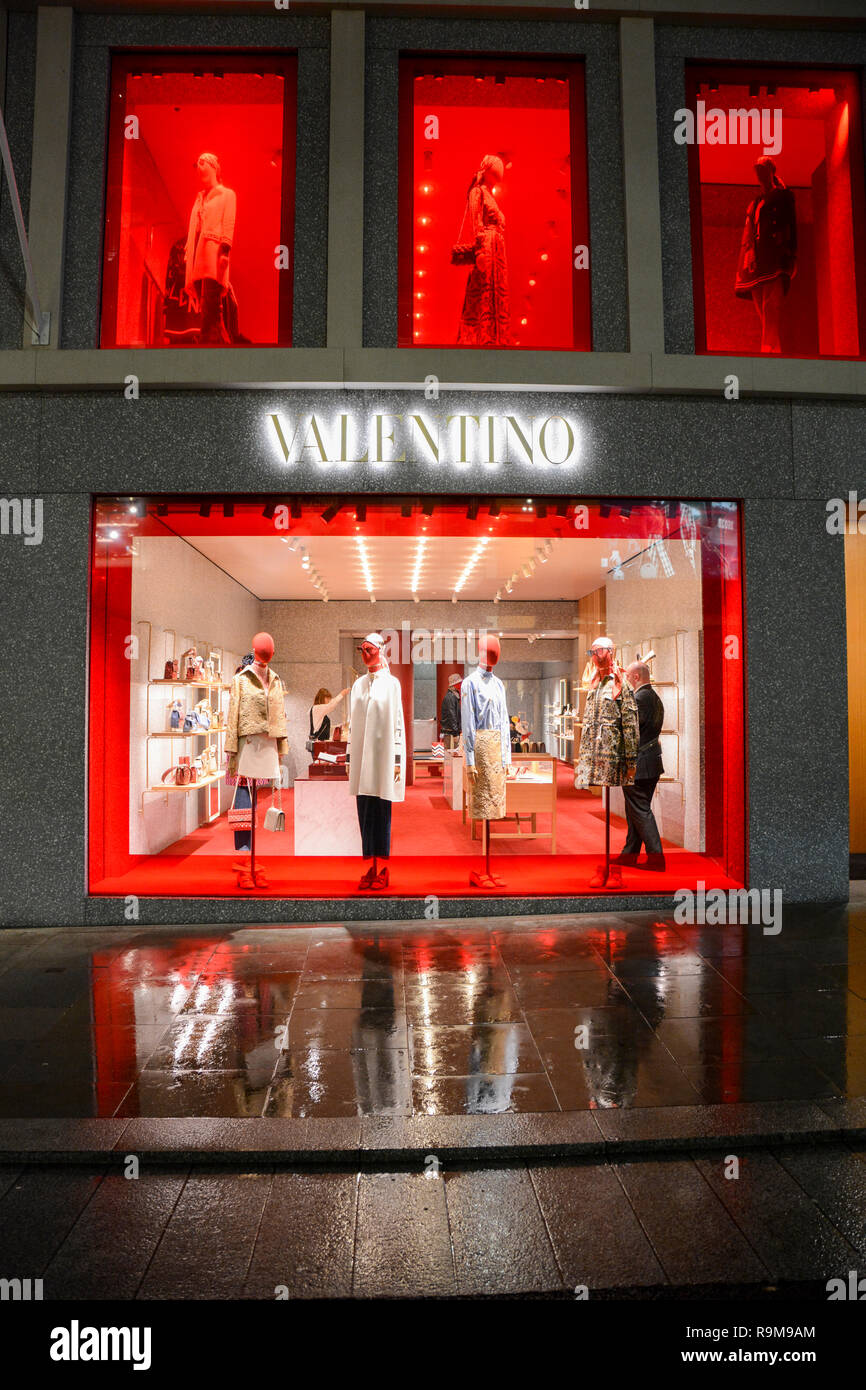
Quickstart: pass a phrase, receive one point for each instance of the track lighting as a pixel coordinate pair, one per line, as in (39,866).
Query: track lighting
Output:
(330,512)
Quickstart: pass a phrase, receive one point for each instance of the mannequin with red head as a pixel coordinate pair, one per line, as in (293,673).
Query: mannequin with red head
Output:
(371,650)
(489,651)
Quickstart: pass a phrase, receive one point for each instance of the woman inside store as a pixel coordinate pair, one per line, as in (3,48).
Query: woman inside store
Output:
(320,714)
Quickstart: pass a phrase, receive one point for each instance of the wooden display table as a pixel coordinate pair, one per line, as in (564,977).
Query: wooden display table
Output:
(529,794)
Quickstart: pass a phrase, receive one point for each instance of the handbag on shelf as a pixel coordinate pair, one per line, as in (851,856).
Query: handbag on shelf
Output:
(463,252)
(178,776)
(171,670)
(275,816)
(242,818)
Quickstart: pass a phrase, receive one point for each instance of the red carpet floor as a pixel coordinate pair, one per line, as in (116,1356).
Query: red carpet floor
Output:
(200,864)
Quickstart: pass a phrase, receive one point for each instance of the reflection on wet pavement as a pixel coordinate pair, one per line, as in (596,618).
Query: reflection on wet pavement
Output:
(473,1016)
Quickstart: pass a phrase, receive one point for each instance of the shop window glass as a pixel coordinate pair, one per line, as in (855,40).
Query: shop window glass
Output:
(494,226)
(199,201)
(191,581)
(776,173)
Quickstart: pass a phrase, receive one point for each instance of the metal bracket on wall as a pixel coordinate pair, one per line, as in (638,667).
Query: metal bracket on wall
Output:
(41,327)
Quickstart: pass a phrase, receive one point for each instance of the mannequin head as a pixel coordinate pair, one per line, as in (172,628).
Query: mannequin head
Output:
(491,170)
(601,652)
(263,647)
(489,651)
(371,651)
(209,172)
(766,172)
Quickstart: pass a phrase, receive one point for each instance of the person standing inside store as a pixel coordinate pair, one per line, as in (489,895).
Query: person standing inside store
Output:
(642,828)
(320,714)
(449,714)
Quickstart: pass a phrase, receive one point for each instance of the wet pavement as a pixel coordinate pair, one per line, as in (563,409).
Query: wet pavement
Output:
(664,1227)
(534,1016)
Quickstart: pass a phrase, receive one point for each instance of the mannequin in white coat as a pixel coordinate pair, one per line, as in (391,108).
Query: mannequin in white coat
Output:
(208,247)
(377,756)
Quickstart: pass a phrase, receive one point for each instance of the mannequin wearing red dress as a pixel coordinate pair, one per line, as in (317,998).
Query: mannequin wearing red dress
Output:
(486,317)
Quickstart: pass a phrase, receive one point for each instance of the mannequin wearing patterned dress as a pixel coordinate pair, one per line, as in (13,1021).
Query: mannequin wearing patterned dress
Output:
(486,317)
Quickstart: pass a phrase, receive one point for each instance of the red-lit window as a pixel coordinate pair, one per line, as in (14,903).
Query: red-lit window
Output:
(776,174)
(493,161)
(199,201)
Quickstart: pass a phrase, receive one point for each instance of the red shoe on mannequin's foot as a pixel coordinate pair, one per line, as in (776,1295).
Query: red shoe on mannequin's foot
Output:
(382,879)
(245,880)
(367,878)
(480,880)
(261,879)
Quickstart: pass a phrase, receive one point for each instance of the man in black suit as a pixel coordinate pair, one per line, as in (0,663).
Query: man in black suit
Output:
(642,828)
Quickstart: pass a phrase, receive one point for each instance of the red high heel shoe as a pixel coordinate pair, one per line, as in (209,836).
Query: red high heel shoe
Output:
(382,879)
(366,880)
(261,879)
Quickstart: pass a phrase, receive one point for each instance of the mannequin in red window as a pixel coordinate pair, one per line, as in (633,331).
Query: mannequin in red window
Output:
(486,317)
(768,252)
(208,247)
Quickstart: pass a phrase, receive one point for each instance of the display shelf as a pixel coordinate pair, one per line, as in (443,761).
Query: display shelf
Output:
(191,733)
(193,685)
(188,786)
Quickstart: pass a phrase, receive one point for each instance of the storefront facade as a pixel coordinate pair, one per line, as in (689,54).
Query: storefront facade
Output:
(611,451)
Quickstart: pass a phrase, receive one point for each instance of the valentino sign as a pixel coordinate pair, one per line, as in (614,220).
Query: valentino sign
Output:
(541,441)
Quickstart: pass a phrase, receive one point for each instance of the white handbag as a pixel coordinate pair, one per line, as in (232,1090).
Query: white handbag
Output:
(275,816)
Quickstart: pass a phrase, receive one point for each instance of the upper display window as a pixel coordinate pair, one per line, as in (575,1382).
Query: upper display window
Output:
(776,174)
(199,201)
(494,225)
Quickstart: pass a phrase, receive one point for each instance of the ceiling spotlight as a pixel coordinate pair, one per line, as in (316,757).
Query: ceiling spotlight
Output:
(541,510)
(406,509)
(361,511)
(494,509)
(268,510)
(508,586)
(427,508)
(562,509)
(294,508)
(228,508)
(330,512)
(527,572)
(625,510)
(162,509)
(204,509)
(472,511)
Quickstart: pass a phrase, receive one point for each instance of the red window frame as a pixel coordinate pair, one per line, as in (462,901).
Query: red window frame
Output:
(698,73)
(574,73)
(122,65)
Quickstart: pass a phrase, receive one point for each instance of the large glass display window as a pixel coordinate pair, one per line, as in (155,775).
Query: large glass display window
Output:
(494,223)
(777,205)
(400,684)
(199,214)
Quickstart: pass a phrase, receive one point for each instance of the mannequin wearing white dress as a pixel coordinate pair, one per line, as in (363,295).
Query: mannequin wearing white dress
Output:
(377,756)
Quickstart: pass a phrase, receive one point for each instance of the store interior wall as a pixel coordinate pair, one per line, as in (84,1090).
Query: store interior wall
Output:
(176,590)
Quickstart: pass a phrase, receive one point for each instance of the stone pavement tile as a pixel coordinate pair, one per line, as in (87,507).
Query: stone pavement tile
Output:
(159,1094)
(624,1071)
(842,1059)
(242,994)
(688,996)
(360,1081)
(466,1136)
(458,1049)
(306,1237)
(547,949)
(206,1248)
(37,1213)
(359,959)
(26,1024)
(36,1135)
(278,1140)
(769,974)
(348,994)
(234,1041)
(782,1224)
(849,1114)
(597,1239)
(815,1013)
(445,1003)
(62,1097)
(108,1250)
(346,1028)
(498,1233)
(691,1125)
(835,1179)
(9,1174)
(742,1080)
(694,1041)
(556,989)
(34,988)
(642,967)
(402,1244)
(482,1094)
(606,1022)
(694,1236)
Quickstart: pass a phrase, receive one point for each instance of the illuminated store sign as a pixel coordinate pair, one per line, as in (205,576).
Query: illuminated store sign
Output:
(542,441)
